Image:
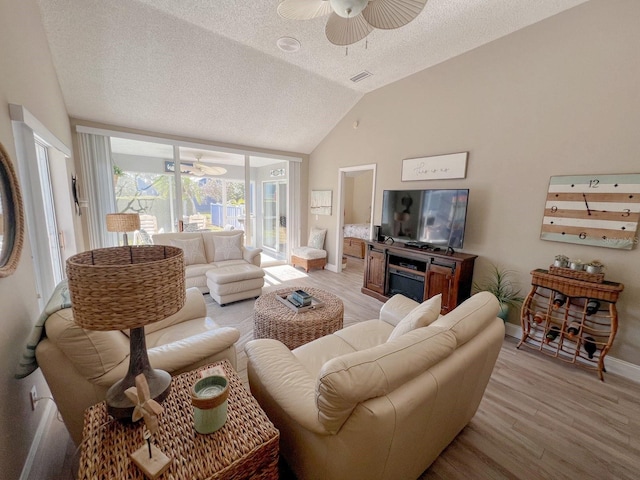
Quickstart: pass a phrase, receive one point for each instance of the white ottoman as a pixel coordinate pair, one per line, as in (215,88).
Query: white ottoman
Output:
(235,282)
(307,258)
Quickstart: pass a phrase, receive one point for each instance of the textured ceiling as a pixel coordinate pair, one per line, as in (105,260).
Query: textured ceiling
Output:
(211,70)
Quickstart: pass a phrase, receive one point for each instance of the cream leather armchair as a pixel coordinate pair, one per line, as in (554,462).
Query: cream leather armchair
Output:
(380,399)
(80,365)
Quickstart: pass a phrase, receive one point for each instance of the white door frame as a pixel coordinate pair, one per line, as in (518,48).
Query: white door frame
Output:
(340,206)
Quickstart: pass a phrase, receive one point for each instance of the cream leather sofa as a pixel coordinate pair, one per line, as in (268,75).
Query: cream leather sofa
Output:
(355,405)
(218,263)
(80,365)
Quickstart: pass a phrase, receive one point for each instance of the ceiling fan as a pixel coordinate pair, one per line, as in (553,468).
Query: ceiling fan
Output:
(201,169)
(352,20)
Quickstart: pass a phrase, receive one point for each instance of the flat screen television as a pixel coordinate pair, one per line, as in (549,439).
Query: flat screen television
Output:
(432,217)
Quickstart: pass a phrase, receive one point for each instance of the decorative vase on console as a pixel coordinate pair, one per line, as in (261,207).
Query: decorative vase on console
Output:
(561,261)
(576,265)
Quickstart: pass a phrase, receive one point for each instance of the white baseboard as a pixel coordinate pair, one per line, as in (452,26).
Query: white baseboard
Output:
(50,410)
(614,365)
(331,267)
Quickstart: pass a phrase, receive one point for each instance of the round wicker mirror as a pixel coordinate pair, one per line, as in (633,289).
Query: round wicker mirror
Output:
(11,216)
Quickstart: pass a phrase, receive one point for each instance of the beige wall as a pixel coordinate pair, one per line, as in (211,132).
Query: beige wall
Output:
(559,97)
(348,186)
(357,197)
(362,207)
(27,78)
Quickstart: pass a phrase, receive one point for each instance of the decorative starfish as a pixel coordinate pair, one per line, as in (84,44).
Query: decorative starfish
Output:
(145,407)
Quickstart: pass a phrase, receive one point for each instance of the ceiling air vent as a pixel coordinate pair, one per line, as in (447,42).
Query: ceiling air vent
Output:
(360,76)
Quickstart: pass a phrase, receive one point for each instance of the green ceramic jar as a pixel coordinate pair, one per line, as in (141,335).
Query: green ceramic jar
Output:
(209,399)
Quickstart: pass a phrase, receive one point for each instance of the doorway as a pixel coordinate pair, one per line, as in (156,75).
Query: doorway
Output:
(356,198)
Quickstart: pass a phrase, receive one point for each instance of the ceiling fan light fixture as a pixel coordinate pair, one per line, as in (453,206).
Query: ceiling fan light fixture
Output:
(348,8)
(352,20)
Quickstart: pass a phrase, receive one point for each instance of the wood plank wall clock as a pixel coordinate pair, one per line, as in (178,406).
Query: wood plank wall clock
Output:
(598,210)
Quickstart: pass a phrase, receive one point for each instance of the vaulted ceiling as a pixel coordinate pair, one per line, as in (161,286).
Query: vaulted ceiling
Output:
(211,70)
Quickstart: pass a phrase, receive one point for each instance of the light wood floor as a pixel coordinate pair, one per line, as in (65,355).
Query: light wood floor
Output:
(539,418)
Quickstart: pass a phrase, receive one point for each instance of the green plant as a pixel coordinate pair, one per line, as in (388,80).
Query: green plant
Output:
(499,282)
(117,171)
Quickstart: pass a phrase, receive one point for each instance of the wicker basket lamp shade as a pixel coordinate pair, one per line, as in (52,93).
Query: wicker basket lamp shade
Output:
(123,222)
(127,288)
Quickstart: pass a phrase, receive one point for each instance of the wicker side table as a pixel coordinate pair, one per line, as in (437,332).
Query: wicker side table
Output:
(272,319)
(245,447)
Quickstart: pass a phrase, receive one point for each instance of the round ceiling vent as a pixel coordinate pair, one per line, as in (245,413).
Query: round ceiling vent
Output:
(288,44)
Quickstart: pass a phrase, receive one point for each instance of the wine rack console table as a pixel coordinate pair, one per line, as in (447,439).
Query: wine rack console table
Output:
(570,319)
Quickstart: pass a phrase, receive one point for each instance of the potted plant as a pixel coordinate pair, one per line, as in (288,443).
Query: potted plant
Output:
(595,266)
(117,172)
(500,284)
(561,261)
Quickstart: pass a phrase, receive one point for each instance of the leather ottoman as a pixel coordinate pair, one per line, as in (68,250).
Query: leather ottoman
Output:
(235,282)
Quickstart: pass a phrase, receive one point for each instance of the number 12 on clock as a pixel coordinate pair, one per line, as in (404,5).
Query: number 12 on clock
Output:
(598,210)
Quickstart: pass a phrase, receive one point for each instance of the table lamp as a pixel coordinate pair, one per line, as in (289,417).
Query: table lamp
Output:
(122,288)
(123,222)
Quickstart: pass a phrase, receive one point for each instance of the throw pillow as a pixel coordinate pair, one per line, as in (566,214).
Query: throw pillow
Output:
(227,247)
(421,316)
(193,250)
(316,238)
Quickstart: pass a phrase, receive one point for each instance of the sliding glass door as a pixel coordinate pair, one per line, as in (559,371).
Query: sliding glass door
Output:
(194,188)
(274,216)
(144,182)
(271,178)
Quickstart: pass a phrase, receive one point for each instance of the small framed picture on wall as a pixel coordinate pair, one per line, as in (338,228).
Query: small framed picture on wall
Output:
(321,202)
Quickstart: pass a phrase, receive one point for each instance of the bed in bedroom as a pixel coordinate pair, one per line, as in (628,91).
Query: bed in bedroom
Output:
(355,235)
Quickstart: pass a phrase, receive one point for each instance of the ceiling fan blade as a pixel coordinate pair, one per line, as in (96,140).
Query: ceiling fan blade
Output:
(212,170)
(303,9)
(388,14)
(345,31)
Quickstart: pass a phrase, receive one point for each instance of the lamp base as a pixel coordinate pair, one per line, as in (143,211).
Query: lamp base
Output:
(118,404)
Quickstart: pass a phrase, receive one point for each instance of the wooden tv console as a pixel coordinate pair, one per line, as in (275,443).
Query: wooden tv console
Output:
(418,274)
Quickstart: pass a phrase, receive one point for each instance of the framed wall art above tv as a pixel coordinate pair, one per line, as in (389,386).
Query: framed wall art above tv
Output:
(437,167)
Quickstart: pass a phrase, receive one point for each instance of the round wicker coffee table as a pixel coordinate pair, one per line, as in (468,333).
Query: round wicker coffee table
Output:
(272,319)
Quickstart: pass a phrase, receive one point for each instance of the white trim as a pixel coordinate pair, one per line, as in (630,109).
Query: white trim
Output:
(18,113)
(180,143)
(37,439)
(340,207)
(613,365)
(622,368)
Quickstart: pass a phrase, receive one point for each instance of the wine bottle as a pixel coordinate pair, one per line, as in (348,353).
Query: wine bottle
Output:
(590,346)
(539,317)
(552,334)
(573,329)
(592,306)
(558,300)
